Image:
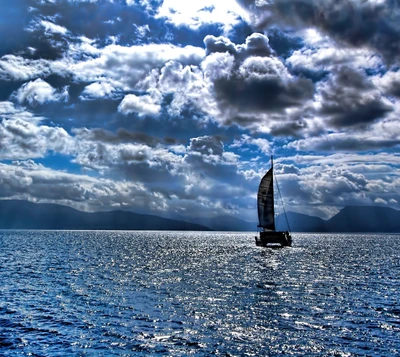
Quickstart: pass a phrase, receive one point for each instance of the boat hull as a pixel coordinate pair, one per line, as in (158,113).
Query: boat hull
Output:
(270,238)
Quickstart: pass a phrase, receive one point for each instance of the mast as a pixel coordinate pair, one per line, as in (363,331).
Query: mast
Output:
(273,194)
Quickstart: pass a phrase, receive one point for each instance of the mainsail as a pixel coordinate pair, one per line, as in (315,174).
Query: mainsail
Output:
(265,202)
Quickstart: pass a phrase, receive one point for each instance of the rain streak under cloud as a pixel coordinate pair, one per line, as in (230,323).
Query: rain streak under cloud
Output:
(165,108)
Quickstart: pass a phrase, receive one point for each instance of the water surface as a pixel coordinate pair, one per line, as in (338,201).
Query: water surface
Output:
(87,293)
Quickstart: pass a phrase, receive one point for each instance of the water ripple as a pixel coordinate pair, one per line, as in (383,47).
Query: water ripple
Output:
(197,294)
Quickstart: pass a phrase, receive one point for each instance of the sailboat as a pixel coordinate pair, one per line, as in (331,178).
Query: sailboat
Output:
(268,235)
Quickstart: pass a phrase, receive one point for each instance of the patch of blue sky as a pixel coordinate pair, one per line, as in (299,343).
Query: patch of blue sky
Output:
(59,162)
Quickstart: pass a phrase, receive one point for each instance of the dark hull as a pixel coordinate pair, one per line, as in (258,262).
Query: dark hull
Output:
(284,239)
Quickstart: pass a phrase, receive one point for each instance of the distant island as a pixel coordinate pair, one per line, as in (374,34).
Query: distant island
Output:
(19,214)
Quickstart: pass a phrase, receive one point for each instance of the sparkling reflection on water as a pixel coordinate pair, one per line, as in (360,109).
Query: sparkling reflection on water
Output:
(197,294)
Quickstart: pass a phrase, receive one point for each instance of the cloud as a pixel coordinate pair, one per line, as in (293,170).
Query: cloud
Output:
(209,162)
(244,84)
(384,134)
(256,44)
(234,84)
(121,136)
(349,98)
(23,140)
(106,151)
(39,92)
(181,178)
(249,89)
(129,65)
(14,67)
(389,83)
(202,13)
(325,57)
(207,146)
(262,144)
(101,89)
(374,160)
(210,111)
(369,24)
(35,182)
(261,84)
(9,111)
(51,27)
(187,85)
(112,68)
(124,154)
(328,183)
(143,105)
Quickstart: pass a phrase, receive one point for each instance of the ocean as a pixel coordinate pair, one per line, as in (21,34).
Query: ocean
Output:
(116,293)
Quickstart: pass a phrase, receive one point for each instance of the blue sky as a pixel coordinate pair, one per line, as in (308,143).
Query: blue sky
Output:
(174,108)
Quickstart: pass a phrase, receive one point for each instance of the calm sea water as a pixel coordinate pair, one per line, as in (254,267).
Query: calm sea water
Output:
(197,294)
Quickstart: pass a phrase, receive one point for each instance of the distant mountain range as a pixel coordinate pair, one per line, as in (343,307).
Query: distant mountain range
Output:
(365,219)
(18,214)
(15,214)
(300,223)
(349,219)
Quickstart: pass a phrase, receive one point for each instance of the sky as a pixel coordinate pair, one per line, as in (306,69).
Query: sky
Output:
(174,107)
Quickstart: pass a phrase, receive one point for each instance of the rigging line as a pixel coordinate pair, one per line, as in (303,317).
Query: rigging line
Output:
(283,206)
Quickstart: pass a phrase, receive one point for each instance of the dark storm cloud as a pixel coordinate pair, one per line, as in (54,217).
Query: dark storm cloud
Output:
(262,93)
(369,23)
(284,43)
(390,83)
(394,88)
(250,79)
(349,98)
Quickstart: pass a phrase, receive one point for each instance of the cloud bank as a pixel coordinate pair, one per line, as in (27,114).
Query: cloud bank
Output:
(166,108)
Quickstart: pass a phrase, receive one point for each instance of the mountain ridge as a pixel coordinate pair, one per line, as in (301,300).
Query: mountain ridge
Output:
(352,219)
(349,219)
(365,219)
(21,214)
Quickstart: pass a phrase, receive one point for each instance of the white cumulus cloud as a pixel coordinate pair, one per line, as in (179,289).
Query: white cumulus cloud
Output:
(144,104)
(39,92)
